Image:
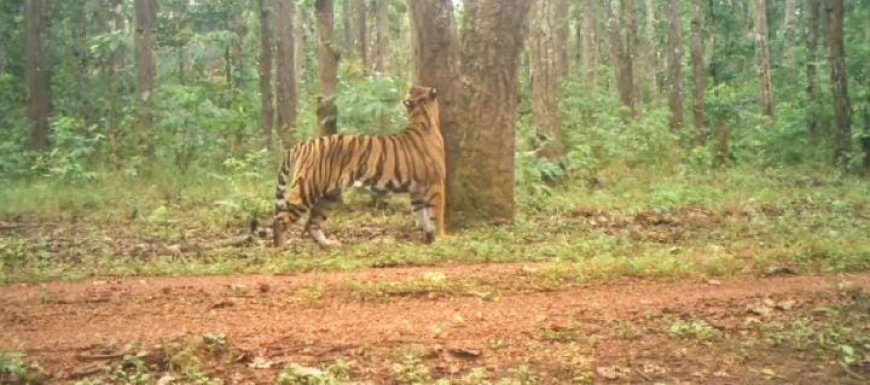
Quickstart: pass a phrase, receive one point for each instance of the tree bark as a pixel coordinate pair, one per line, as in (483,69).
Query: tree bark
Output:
(146,15)
(299,38)
(492,45)
(39,102)
(347,30)
(360,41)
(698,76)
(267,100)
(327,112)
(839,82)
(286,87)
(590,44)
(813,34)
(546,66)
(382,36)
(652,66)
(766,83)
(675,62)
(437,64)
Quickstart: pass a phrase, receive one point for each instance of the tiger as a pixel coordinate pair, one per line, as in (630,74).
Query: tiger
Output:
(314,173)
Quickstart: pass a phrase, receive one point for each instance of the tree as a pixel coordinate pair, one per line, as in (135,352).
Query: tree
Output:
(621,55)
(381,55)
(38,74)
(286,87)
(360,37)
(436,64)
(492,45)
(766,84)
(789,25)
(652,66)
(813,108)
(547,66)
(698,73)
(346,30)
(117,63)
(675,62)
(590,43)
(146,69)
(267,100)
(327,112)
(839,82)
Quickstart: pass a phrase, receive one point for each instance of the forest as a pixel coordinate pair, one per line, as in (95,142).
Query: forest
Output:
(637,191)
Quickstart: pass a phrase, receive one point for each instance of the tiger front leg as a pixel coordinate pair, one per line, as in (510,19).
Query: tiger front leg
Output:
(423,209)
(318,217)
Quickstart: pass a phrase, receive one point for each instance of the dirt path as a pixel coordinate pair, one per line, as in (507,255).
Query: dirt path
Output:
(633,331)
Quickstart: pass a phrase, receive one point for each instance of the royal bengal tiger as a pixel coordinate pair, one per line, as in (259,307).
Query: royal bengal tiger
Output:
(411,162)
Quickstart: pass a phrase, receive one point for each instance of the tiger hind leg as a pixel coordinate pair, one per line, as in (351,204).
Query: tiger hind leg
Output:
(318,216)
(422,207)
(287,212)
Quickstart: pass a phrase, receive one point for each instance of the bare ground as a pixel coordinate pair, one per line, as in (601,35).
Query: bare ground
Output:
(731,332)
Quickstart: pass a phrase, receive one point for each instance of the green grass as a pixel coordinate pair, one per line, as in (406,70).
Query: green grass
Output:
(643,222)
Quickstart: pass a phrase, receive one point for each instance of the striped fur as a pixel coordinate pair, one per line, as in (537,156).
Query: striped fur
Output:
(314,172)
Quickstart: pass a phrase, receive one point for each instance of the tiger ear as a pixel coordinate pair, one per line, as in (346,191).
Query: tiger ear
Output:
(433,93)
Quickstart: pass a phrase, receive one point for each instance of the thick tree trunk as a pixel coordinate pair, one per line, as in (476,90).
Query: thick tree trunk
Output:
(146,69)
(652,56)
(698,76)
(590,43)
(766,83)
(546,67)
(436,64)
(813,34)
(675,62)
(492,45)
(286,87)
(839,82)
(327,112)
(382,31)
(267,100)
(360,37)
(38,74)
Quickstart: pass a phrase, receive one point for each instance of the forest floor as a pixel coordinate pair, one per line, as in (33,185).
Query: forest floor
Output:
(412,325)
(733,277)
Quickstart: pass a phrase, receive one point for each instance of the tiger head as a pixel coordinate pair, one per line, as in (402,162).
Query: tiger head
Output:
(422,102)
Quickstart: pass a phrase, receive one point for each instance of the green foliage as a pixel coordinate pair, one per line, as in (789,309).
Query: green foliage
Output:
(15,370)
(372,107)
(335,374)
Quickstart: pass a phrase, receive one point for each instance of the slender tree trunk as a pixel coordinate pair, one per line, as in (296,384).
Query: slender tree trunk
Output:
(84,64)
(813,34)
(347,30)
(839,82)
(698,75)
(361,34)
(146,68)
(117,69)
(327,112)
(764,58)
(299,38)
(563,38)
(629,21)
(546,69)
(619,55)
(267,100)
(492,45)
(652,66)
(437,64)
(238,49)
(789,26)
(286,87)
(590,43)
(382,46)
(38,74)
(675,62)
